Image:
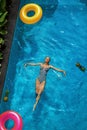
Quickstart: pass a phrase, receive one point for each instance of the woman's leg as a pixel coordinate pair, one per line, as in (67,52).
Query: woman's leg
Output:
(37,86)
(40,90)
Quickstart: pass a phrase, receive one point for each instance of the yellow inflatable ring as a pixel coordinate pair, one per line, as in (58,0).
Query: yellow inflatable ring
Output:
(33,19)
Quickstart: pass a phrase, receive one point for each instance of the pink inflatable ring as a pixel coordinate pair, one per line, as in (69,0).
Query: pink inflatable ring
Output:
(13,116)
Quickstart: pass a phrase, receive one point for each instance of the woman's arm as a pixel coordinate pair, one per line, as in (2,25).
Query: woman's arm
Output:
(32,64)
(57,69)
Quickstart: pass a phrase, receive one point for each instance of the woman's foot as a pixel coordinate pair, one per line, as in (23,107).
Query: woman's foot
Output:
(37,99)
(34,107)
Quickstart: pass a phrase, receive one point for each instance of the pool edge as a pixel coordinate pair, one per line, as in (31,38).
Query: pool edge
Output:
(13,11)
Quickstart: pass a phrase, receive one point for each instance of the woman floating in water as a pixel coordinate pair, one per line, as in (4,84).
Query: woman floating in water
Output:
(41,80)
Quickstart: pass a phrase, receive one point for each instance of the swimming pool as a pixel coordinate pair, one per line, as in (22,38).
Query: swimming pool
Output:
(62,35)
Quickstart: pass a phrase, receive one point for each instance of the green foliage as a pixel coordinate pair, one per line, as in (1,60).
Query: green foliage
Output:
(3,32)
(82,68)
(7,93)
(1,41)
(1,56)
(2,5)
(5,99)
(3,16)
(3,23)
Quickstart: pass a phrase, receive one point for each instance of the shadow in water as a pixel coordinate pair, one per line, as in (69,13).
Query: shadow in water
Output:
(84,1)
(48,7)
(33,45)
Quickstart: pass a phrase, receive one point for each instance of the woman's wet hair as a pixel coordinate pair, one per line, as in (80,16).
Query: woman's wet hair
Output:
(48,57)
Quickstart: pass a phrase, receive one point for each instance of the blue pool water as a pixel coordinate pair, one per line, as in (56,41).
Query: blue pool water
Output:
(62,35)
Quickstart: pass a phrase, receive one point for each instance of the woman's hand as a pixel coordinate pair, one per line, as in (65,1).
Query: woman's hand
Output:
(25,65)
(64,72)
(59,70)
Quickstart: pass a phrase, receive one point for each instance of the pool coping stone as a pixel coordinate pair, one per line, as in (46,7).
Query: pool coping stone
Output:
(12,16)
